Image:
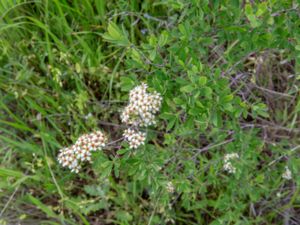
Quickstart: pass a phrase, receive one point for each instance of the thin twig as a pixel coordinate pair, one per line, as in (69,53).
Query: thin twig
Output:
(271,91)
(9,200)
(285,155)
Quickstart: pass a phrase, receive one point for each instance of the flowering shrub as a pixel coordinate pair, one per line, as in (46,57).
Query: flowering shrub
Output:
(210,137)
(139,112)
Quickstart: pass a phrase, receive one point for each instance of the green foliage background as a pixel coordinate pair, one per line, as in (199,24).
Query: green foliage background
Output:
(228,72)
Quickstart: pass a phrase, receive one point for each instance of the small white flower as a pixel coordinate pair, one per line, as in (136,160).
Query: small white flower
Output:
(67,158)
(230,156)
(142,107)
(134,138)
(229,167)
(170,187)
(227,162)
(89,115)
(287,173)
(71,157)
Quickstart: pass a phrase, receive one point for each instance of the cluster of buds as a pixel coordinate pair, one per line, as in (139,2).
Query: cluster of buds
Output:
(81,151)
(140,112)
(142,107)
(287,173)
(170,187)
(227,162)
(134,138)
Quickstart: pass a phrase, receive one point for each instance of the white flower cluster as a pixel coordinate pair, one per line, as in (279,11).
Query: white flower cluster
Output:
(134,138)
(287,174)
(227,162)
(81,151)
(142,107)
(67,158)
(170,187)
(140,112)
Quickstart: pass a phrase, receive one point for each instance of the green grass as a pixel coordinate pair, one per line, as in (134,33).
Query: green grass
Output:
(228,72)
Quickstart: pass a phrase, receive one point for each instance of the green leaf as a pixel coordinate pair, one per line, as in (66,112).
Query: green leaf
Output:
(93,190)
(123,216)
(227,98)
(77,68)
(107,167)
(10,173)
(228,107)
(262,8)
(122,151)
(248,9)
(171,123)
(207,92)
(179,101)
(127,83)
(46,209)
(202,80)
(187,89)
(116,36)
(253,21)
(163,38)
(93,207)
(135,55)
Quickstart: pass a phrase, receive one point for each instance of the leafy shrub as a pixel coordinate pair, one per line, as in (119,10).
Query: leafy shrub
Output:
(228,72)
